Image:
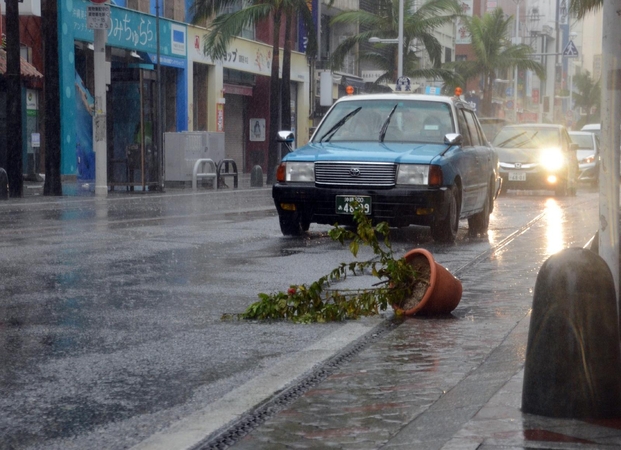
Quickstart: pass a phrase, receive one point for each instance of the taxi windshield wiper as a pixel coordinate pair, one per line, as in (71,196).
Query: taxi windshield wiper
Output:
(340,123)
(382,132)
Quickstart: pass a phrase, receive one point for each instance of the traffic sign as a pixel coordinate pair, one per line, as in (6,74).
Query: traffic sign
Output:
(98,17)
(570,50)
(403,84)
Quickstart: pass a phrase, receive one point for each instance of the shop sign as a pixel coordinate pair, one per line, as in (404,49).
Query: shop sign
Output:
(220,117)
(257,130)
(131,29)
(245,56)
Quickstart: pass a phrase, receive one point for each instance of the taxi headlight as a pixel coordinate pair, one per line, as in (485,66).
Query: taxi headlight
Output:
(552,159)
(413,174)
(300,172)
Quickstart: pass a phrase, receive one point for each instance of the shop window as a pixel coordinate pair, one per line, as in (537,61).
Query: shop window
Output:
(237,77)
(238,5)
(139,5)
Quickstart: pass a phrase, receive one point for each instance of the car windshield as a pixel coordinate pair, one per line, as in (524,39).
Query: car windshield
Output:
(584,141)
(386,121)
(527,137)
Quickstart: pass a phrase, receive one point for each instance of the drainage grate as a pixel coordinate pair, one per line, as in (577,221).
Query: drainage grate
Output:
(253,419)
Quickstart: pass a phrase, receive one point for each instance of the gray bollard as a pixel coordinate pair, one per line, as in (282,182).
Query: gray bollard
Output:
(573,356)
(256,177)
(4,185)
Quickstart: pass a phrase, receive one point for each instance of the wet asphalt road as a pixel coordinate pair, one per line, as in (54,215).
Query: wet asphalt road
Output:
(110,318)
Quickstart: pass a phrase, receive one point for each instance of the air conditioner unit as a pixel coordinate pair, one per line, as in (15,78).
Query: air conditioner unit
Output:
(25,7)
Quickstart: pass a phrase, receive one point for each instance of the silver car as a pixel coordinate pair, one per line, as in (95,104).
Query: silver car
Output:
(588,156)
(537,156)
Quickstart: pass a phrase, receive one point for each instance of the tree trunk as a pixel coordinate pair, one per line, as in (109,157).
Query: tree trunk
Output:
(52,185)
(14,139)
(286,75)
(273,153)
(487,97)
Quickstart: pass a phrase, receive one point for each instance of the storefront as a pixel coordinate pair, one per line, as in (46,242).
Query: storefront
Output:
(132,93)
(237,90)
(31,134)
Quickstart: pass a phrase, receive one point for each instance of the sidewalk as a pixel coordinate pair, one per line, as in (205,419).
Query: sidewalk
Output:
(438,383)
(79,189)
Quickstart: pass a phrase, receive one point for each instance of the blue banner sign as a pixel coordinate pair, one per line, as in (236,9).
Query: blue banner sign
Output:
(133,30)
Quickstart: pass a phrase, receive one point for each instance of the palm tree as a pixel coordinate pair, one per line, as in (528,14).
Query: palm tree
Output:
(587,94)
(226,26)
(494,52)
(581,7)
(384,23)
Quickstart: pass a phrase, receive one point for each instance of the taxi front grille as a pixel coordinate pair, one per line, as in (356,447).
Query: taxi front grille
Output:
(355,174)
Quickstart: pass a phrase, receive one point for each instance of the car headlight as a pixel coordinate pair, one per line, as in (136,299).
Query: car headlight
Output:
(413,174)
(299,172)
(588,160)
(552,159)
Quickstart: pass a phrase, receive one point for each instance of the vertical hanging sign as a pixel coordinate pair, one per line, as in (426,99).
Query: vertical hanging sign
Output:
(220,117)
(302,32)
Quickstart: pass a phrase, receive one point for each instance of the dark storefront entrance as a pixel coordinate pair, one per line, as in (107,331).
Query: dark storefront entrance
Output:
(132,147)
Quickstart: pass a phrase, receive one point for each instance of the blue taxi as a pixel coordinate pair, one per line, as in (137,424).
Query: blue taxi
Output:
(407,159)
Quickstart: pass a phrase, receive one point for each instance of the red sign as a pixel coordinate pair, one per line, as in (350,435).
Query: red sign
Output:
(535,95)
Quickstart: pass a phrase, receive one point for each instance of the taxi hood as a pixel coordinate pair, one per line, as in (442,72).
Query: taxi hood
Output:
(394,152)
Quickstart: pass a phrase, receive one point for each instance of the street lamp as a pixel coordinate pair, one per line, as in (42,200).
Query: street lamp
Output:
(399,41)
(515,71)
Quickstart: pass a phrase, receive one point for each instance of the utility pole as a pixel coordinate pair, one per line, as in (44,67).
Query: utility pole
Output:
(610,140)
(515,71)
(14,138)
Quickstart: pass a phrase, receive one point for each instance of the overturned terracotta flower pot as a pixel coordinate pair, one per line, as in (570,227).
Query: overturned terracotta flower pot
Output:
(436,290)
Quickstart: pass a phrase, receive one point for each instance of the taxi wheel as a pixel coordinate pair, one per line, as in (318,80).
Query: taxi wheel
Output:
(291,224)
(445,230)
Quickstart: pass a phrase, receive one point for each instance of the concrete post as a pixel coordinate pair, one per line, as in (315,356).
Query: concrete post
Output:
(573,356)
(256,177)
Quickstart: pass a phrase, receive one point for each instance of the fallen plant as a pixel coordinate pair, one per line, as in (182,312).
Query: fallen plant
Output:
(318,302)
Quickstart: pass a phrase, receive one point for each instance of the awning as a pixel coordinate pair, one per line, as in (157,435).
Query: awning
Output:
(350,80)
(26,69)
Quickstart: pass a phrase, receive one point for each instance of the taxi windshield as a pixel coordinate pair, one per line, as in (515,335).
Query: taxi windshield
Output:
(386,120)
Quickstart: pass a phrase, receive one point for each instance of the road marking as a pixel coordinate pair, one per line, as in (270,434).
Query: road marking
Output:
(188,432)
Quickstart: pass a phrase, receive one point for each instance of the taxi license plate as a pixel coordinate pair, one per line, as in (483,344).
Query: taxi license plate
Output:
(517,176)
(347,204)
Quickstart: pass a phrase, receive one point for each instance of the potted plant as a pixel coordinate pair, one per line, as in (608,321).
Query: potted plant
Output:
(413,284)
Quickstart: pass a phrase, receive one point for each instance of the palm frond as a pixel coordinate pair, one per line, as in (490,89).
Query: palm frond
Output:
(581,8)
(226,26)
(201,10)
